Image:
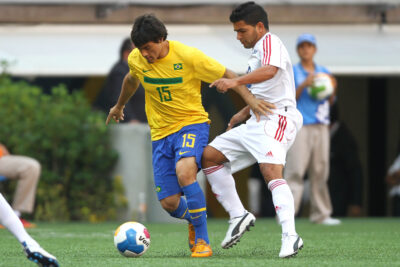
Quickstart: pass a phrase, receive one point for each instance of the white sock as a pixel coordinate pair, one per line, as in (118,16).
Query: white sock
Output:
(284,205)
(11,221)
(17,213)
(223,186)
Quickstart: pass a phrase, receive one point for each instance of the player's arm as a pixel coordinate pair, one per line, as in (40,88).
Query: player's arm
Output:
(259,107)
(259,75)
(239,117)
(129,87)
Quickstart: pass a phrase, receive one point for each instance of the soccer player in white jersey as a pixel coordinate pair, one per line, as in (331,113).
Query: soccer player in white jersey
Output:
(266,141)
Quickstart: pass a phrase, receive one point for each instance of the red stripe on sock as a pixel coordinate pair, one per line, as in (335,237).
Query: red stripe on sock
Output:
(212,169)
(276,184)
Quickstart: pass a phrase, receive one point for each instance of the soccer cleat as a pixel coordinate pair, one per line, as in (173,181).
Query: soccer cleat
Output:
(331,221)
(202,249)
(291,244)
(27,224)
(192,237)
(39,256)
(237,227)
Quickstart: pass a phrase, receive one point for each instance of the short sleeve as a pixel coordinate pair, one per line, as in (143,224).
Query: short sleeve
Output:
(131,63)
(206,68)
(270,52)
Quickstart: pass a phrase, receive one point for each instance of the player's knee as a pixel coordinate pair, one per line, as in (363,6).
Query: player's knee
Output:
(212,157)
(271,171)
(170,203)
(186,171)
(34,168)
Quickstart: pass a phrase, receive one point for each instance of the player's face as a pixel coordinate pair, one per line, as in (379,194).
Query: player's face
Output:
(247,34)
(151,51)
(306,51)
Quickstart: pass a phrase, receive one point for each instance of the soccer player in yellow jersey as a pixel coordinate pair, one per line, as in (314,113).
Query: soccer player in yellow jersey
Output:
(171,74)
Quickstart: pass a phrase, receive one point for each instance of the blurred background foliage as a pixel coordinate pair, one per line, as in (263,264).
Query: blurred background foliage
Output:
(71,141)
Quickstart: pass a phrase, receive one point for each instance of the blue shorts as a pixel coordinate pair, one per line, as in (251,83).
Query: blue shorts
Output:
(190,141)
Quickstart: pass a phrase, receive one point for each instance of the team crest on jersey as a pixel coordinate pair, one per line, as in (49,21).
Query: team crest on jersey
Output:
(254,51)
(178,66)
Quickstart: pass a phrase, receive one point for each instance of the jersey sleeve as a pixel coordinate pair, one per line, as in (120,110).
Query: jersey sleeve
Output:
(270,51)
(131,63)
(206,68)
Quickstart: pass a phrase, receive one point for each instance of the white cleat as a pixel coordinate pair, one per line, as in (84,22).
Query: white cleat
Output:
(237,227)
(40,256)
(331,221)
(291,244)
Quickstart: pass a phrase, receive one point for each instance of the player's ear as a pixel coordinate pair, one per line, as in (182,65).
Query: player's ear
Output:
(260,27)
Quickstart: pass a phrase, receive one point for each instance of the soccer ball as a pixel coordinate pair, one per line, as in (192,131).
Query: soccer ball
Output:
(322,86)
(132,239)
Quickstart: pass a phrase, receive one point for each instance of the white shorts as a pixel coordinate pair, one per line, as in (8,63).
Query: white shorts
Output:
(266,141)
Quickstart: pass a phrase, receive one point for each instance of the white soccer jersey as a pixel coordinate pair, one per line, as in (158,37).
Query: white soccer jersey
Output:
(268,140)
(280,90)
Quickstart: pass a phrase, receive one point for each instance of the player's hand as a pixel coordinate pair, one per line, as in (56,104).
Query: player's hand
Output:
(236,119)
(116,113)
(224,84)
(261,107)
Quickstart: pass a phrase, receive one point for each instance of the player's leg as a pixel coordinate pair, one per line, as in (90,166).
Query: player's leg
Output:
(268,143)
(222,182)
(168,190)
(177,207)
(186,169)
(32,249)
(284,206)
(188,147)
(297,160)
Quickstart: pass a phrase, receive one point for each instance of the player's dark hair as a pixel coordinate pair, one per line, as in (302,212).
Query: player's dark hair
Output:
(148,28)
(125,46)
(250,13)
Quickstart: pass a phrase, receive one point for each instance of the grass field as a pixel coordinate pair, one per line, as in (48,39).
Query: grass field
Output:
(357,242)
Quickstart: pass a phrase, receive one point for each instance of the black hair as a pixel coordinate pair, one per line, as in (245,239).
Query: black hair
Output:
(250,13)
(125,46)
(148,28)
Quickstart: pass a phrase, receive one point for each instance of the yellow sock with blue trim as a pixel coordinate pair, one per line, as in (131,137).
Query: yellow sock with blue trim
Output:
(196,203)
(182,212)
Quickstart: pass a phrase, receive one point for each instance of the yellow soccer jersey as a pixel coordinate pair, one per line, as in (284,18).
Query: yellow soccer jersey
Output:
(172,87)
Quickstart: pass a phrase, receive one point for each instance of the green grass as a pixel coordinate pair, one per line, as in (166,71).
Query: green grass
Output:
(357,242)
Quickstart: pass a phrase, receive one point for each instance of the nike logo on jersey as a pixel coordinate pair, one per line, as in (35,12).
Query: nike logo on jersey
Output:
(144,71)
(184,152)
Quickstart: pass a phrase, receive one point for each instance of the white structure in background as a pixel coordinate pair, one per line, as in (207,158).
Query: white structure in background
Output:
(90,50)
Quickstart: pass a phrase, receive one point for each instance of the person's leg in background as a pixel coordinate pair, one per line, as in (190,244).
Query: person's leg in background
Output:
(321,207)
(26,171)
